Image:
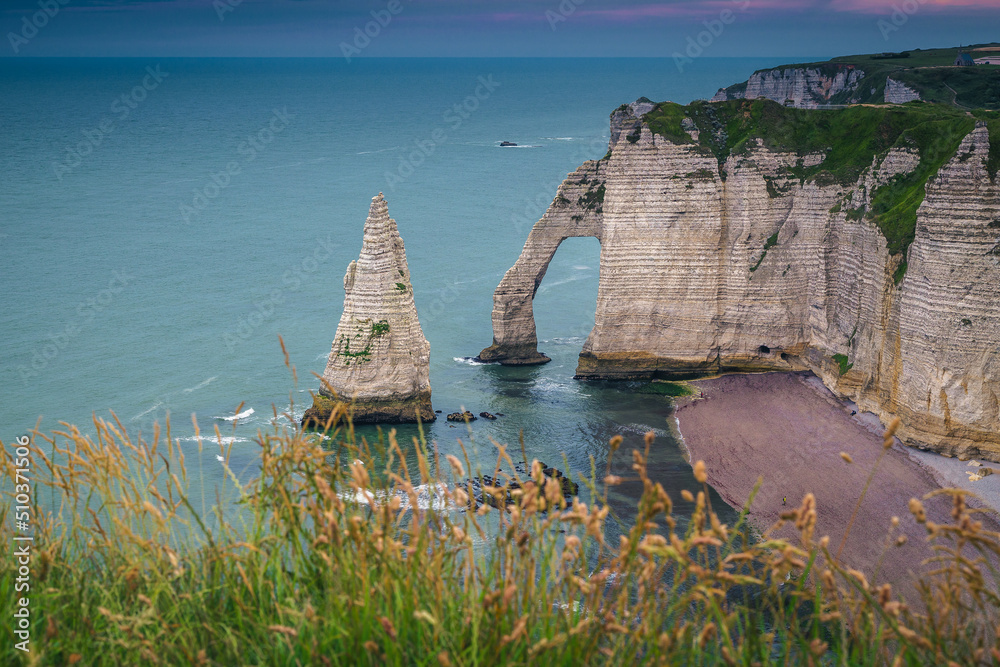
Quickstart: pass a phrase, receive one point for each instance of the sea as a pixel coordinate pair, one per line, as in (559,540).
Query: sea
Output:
(165,221)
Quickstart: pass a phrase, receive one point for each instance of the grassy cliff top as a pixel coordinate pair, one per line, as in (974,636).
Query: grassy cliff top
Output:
(850,138)
(904,59)
(931,72)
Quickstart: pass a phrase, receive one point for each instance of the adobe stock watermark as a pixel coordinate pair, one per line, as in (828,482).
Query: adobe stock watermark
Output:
(223,7)
(363,37)
(122,106)
(900,15)
(48,10)
(536,206)
(250,148)
(22,512)
(566,9)
(713,30)
(86,312)
(442,299)
(454,118)
(291,281)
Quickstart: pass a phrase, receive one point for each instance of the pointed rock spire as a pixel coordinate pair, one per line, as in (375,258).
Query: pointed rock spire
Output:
(380,357)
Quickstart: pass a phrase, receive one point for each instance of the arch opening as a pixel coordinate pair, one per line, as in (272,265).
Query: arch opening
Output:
(565,301)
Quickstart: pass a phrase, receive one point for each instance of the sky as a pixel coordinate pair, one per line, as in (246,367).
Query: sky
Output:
(489,28)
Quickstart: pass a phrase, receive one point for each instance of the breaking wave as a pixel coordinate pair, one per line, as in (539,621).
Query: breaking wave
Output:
(245,413)
(471,361)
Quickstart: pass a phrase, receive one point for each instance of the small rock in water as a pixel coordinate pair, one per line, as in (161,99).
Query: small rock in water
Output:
(568,487)
(498,493)
(486,415)
(461,416)
(499,414)
(975,463)
(437,412)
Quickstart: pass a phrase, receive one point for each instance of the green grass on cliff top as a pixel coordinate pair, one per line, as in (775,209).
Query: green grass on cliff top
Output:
(992,119)
(967,87)
(872,62)
(851,138)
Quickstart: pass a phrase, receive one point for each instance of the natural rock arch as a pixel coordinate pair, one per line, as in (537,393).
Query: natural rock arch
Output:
(577,211)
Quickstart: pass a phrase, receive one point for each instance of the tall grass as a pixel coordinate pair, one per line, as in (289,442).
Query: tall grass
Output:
(349,555)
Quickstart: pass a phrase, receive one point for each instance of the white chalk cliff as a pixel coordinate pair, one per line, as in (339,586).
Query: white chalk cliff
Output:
(899,93)
(801,87)
(379,359)
(811,87)
(760,270)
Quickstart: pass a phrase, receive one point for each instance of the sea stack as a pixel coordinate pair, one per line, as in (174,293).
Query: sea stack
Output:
(380,357)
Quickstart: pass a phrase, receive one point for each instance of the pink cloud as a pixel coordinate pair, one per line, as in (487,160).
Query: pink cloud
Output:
(686,9)
(886,7)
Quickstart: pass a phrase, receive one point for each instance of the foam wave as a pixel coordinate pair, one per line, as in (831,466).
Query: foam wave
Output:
(470,281)
(245,413)
(203,383)
(210,438)
(381,150)
(572,279)
(582,268)
(282,418)
(560,138)
(471,361)
(429,496)
(146,412)
(643,429)
(547,386)
(684,448)
(567,340)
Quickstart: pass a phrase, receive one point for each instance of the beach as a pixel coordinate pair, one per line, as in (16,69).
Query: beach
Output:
(789,430)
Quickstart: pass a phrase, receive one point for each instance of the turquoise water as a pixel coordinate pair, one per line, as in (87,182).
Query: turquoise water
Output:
(153,250)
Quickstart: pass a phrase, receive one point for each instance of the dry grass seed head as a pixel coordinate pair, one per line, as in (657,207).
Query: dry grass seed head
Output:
(890,433)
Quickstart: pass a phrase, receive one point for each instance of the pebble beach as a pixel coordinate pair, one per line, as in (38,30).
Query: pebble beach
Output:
(789,431)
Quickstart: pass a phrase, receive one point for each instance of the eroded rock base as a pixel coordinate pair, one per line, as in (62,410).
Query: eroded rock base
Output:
(403,411)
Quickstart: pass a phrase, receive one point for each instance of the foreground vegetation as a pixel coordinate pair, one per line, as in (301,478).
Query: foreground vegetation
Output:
(126,572)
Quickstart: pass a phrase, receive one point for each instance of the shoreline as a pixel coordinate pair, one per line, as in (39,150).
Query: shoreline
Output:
(789,429)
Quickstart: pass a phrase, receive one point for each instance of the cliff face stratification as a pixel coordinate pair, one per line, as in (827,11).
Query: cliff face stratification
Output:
(380,357)
(801,87)
(754,258)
